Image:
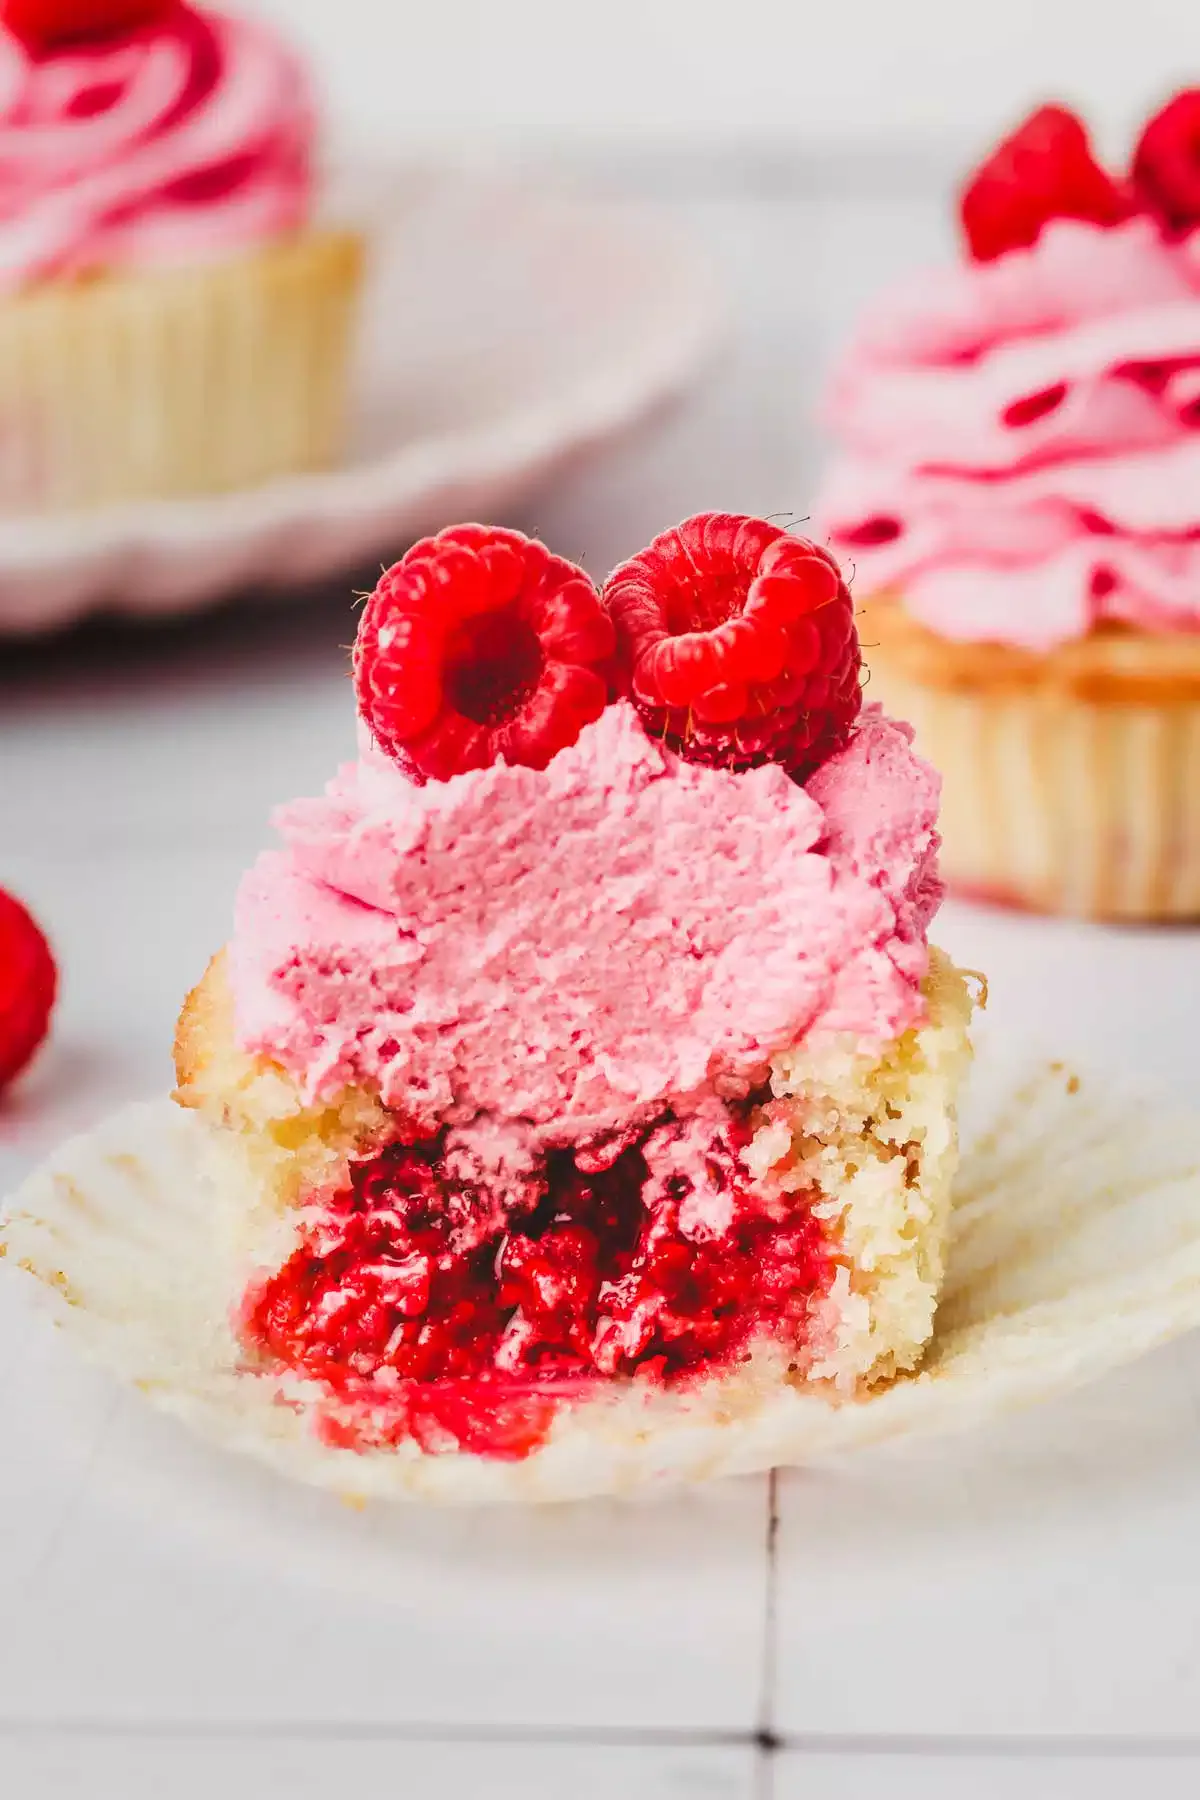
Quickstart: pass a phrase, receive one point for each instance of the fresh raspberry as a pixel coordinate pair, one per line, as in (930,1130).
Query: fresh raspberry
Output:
(43,24)
(28,983)
(1166,163)
(738,644)
(480,645)
(1045,170)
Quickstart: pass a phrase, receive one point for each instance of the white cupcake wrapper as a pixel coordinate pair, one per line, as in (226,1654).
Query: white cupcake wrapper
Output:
(1076,1248)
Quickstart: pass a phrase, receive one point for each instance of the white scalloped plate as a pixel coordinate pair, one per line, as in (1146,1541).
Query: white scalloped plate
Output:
(1076,1248)
(505,328)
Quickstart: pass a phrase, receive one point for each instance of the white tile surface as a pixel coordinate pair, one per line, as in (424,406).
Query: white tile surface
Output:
(132,930)
(190,1768)
(1039,1579)
(176,737)
(958,1777)
(1123,1001)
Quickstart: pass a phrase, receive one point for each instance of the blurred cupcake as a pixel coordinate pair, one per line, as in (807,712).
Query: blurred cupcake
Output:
(1019,497)
(171,321)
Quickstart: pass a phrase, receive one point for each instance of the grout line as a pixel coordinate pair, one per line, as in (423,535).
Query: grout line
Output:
(306,1731)
(766,1716)
(767,1746)
(763,1780)
(766,1741)
(1010,1749)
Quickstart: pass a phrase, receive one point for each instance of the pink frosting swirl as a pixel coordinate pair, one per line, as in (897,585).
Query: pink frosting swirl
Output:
(1023,440)
(182,141)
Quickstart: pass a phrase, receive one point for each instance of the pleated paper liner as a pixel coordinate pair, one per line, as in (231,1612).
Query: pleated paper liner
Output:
(1076,1248)
(1069,778)
(168,385)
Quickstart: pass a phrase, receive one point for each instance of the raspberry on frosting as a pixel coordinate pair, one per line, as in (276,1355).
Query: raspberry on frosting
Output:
(738,643)
(480,646)
(1166,163)
(1023,432)
(1044,170)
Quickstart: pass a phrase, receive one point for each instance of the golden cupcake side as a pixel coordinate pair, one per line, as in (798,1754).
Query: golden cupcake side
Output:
(160,385)
(1069,776)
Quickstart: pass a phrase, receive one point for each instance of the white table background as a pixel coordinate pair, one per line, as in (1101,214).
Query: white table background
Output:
(1013,1614)
(798,72)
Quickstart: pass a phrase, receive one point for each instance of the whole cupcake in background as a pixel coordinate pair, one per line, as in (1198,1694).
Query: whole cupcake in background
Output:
(1019,503)
(172,323)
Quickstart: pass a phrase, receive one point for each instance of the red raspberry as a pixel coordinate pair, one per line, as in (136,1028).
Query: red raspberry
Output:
(28,983)
(1166,163)
(480,645)
(42,24)
(738,644)
(1045,170)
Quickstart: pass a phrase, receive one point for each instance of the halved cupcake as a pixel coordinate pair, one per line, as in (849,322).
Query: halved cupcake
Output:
(589,1051)
(172,320)
(1019,499)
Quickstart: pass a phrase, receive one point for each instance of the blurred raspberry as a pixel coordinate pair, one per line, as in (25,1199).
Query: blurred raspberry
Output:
(28,983)
(1045,170)
(1166,163)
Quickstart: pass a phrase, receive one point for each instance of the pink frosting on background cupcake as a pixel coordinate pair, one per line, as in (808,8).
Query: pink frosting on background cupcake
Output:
(182,141)
(1022,440)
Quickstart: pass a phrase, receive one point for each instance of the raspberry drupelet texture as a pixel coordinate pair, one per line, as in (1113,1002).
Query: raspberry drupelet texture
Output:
(1166,163)
(28,984)
(479,646)
(1044,170)
(737,642)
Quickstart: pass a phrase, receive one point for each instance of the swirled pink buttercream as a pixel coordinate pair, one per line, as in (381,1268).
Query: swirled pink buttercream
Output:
(181,141)
(577,947)
(1022,440)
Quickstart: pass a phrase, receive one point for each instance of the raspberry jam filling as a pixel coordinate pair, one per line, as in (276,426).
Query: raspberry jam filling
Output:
(434,1310)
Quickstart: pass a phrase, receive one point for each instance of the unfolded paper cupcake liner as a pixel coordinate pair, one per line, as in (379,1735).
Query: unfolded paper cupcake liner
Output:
(1075,1248)
(1060,803)
(165,385)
